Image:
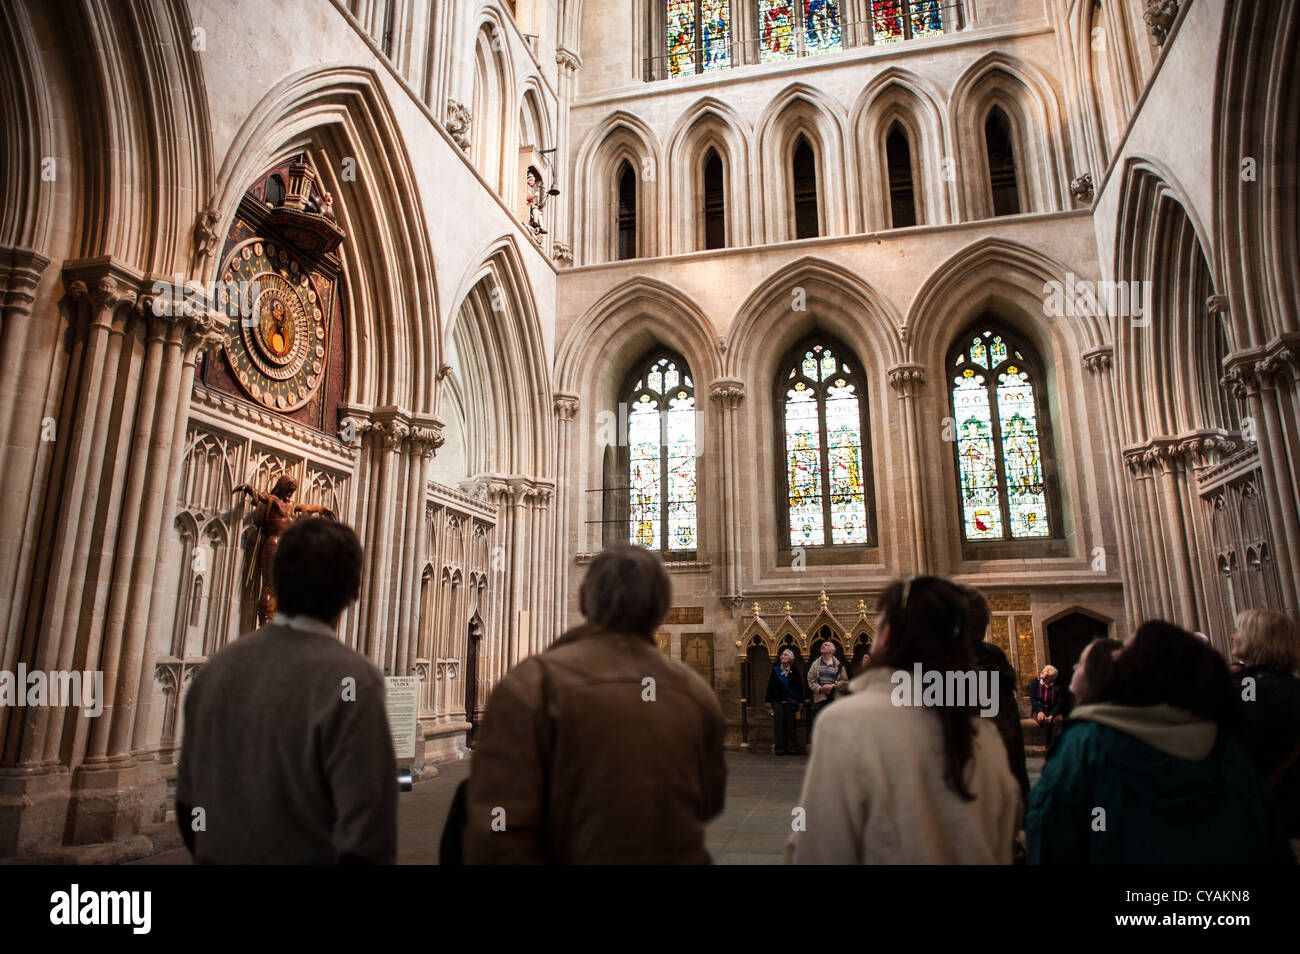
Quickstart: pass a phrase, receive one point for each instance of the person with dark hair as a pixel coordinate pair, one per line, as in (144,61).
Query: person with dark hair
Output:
(990,658)
(905,776)
(1149,771)
(1093,670)
(600,750)
(785,695)
(1047,703)
(1268,646)
(287,756)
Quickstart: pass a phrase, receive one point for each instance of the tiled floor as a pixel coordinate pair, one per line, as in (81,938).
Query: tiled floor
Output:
(752,829)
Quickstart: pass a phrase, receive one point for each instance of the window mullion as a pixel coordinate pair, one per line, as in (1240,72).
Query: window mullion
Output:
(663,476)
(995,417)
(825,452)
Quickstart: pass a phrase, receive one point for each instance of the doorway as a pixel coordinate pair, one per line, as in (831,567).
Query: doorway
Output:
(1066,639)
(471,678)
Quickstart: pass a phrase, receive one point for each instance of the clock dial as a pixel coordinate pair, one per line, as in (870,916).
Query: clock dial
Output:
(277,348)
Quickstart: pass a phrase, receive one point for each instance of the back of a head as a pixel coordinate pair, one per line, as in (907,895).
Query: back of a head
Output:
(1268,639)
(1098,669)
(977,614)
(627,590)
(929,624)
(1165,664)
(317,569)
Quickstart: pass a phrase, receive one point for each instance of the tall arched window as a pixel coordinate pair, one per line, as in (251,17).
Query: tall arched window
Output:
(660,400)
(826,463)
(804,177)
(626,212)
(1002,163)
(1002,438)
(902,197)
(698,35)
(789,28)
(715,202)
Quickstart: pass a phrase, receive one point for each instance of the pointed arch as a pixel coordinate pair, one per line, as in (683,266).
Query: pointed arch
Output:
(492,100)
(390,287)
(621,137)
(897,96)
(1030,103)
(709,124)
(798,111)
(503,366)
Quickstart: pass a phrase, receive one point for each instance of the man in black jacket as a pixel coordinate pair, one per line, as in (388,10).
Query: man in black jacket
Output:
(1047,702)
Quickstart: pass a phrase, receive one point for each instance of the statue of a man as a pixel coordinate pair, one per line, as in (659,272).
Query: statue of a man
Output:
(279,515)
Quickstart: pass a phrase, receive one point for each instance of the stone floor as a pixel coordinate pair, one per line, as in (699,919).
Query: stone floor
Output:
(751,830)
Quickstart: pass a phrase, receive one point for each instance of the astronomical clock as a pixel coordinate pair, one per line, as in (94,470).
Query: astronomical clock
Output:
(283,349)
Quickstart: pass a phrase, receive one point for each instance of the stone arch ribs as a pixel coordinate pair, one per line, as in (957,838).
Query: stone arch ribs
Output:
(28,134)
(621,136)
(1160,245)
(338,114)
(709,123)
(1257,222)
(138,90)
(493,107)
(797,110)
(1030,102)
(1094,123)
(504,365)
(898,95)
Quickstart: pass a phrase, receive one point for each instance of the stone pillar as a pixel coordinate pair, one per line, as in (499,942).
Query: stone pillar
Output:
(729,392)
(561,219)
(907,379)
(1100,362)
(566,499)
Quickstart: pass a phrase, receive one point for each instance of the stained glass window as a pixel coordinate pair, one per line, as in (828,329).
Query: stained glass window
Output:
(1000,471)
(893,21)
(789,28)
(824,457)
(661,456)
(698,34)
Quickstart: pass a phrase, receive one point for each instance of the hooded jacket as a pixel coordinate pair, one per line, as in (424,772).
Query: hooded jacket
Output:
(1150,785)
(600,750)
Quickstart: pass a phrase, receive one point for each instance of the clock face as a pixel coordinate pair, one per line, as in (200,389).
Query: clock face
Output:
(277,348)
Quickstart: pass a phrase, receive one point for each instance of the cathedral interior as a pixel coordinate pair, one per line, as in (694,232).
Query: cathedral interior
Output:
(803,295)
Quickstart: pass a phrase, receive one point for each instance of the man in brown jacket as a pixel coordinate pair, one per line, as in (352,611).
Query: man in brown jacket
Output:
(600,750)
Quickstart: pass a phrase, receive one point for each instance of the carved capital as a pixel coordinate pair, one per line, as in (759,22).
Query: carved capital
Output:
(1159,16)
(562,253)
(20,273)
(1099,360)
(426,437)
(566,406)
(906,378)
(728,392)
(567,59)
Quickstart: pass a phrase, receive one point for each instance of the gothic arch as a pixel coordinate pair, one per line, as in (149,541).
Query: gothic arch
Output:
(335,113)
(897,95)
(620,137)
(709,123)
(492,137)
(1029,101)
(797,110)
(28,133)
(1160,243)
(822,294)
(503,365)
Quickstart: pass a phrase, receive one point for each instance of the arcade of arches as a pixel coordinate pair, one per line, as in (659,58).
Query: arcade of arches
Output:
(804,295)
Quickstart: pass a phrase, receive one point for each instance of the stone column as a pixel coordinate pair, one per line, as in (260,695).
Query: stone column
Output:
(1100,362)
(728,393)
(561,228)
(567,498)
(907,380)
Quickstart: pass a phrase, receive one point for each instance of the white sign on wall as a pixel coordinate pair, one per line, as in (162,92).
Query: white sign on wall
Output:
(401,698)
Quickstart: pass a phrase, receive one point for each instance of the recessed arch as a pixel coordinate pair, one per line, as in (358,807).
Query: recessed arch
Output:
(621,138)
(802,112)
(708,124)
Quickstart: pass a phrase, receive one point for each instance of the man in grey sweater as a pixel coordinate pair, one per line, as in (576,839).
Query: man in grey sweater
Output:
(287,757)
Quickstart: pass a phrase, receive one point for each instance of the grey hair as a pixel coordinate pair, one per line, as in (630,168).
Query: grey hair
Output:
(627,590)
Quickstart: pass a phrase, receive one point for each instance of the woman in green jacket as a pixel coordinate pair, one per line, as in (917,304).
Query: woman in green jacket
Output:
(1150,772)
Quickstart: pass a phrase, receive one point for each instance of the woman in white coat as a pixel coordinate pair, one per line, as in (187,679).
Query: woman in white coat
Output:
(908,773)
